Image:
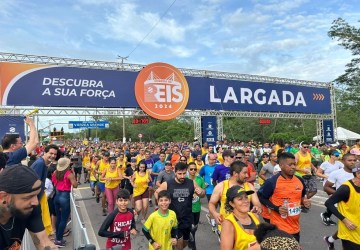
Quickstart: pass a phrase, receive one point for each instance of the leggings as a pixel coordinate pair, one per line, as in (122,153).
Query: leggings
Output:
(111,194)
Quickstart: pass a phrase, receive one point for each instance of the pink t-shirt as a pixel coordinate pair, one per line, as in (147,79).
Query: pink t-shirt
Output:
(64,184)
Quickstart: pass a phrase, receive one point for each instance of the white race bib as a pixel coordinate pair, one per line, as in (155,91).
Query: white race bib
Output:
(294,209)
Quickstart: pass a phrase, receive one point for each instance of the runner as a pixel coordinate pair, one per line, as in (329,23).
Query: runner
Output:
(166,175)
(239,226)
(101,166)
(325,169)
(112,177)
(196,203)
(222,171)
(238,176)
(284,194)
(181,191)
(140,182)
(347,196)
(163,220)
(206,172)
(337,178)
(120,224)
(304,168)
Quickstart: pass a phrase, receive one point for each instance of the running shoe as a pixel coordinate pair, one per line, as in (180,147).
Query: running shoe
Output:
(104,212)
(60,243)
(325,219)
(329,244)
(150,203)
(331,222)
(208,219)
(218,234)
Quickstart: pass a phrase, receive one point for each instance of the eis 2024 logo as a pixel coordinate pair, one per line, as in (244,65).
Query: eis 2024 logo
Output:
(161,91)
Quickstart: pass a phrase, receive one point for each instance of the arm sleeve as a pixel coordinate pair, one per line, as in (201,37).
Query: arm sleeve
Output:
(147,235)
(174,232)
(133,223)
(35,223)
(103,231)
(342,194)
(265,192)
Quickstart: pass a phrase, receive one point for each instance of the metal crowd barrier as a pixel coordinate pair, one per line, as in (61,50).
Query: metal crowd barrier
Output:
(79,234)
(78,231)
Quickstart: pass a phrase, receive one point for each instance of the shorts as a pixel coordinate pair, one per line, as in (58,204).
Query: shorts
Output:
(144,195)
(101,186)
(85,170)
(310,183)
(183,233)
(93,184)
(78,170)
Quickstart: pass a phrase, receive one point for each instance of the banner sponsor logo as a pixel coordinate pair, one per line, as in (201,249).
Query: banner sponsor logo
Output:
(209,129)
(328,126)
(12,125)
(161,91)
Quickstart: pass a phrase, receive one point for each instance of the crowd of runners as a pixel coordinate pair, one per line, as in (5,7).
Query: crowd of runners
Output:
(255,191)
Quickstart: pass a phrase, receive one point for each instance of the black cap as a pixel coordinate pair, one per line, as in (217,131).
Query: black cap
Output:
(18,179)
(235,191)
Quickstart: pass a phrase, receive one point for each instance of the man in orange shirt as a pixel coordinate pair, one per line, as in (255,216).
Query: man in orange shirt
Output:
(284,194)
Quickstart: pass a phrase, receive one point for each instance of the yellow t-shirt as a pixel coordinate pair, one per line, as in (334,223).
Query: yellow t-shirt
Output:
(114,174)
(304,162)
(92,176)
(160,227)
(350,210)
(199,165)
(123,163)
(141,183)
(102,167)
(86,161)
(243,239)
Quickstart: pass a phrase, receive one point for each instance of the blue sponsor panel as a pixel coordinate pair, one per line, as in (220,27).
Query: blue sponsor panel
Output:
(328,126)
(84,87)
(74,87)
(235,95)
(12,125)
(88,124)
(209,129)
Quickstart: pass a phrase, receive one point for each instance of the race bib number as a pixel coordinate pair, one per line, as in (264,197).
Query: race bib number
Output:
(293,209)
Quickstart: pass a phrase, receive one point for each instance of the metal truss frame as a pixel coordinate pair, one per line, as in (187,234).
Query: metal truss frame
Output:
(63,111)
(220,127)
(81,63)
(196,114)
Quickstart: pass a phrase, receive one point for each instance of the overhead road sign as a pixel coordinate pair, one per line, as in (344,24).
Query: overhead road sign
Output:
(88,124)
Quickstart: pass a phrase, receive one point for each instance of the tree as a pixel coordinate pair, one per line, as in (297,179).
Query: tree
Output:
(349,38)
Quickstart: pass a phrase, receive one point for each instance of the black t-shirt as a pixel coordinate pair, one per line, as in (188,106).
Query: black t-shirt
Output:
(125,183)
(181,201)
(12,238)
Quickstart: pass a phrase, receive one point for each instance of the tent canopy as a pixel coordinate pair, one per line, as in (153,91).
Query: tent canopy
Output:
(343,134)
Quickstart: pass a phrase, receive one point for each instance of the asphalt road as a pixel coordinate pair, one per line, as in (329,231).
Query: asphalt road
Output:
(312,229)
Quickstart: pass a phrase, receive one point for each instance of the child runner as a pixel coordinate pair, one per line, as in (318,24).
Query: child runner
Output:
(121,223)
(161,227)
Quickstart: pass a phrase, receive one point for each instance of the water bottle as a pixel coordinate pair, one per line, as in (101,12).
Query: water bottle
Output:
(286,203)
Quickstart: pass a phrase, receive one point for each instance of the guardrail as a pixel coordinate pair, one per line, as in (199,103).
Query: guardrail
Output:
(78,231)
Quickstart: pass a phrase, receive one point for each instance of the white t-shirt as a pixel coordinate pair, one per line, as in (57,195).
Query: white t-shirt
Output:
(329,168)
(338,177)
(48,187)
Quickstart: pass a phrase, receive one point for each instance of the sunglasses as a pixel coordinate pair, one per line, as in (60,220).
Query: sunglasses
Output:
(306,147)
(232,156)
(239,157)
(336,155)
(192,169)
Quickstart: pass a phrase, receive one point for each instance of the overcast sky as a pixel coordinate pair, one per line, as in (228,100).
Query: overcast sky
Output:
(270,37)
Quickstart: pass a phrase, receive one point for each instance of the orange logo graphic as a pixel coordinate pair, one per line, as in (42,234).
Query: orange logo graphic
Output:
(161,91)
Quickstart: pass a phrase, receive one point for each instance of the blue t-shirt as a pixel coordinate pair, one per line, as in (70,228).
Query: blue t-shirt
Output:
(157,168)
(221,173)
(41,170)
(206,172)
(155,157)
(149,163)
(16,157)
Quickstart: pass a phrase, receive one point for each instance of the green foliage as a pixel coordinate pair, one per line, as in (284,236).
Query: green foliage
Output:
(348,37)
